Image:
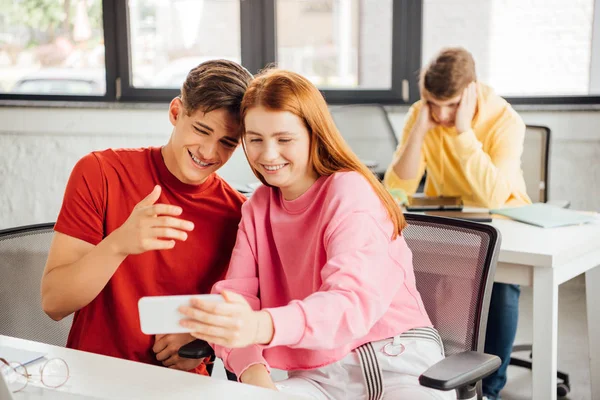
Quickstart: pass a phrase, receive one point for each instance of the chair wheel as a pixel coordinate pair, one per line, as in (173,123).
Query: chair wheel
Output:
(562,389)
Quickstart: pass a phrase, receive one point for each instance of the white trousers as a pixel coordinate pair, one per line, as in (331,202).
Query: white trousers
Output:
(401,360)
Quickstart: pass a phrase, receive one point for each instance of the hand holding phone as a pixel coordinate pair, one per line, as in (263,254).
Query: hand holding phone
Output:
(160,315)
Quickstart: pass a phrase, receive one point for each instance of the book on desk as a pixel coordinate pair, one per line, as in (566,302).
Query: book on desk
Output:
(545,215)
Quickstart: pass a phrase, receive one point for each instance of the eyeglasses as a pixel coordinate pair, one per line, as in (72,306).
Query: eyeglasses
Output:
(53,374)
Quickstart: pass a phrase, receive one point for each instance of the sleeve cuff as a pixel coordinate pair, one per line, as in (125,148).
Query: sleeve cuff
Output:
(391,181)
(288,325)
(466,143)
(239,360)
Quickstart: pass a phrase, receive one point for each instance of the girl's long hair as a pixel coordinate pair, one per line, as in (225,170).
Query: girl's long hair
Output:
(281,90)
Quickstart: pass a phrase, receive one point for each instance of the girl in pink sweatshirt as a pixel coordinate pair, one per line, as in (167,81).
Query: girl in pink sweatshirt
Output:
(320,282)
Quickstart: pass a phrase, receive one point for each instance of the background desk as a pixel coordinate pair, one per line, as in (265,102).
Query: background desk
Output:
(543,259)
(112,378)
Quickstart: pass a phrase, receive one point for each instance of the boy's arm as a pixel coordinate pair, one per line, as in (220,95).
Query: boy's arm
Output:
(492,176)
(408,165)
(78,268)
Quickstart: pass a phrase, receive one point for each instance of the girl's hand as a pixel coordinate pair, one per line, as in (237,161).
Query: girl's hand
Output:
(258,375)
(230,324)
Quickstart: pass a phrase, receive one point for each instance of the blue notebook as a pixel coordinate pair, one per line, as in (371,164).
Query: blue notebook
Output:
(545,215)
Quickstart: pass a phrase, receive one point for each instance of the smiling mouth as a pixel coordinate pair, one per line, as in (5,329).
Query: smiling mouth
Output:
(273,168)
(199,162)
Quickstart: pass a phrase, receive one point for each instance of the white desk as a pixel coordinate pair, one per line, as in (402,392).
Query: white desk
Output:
(112,378)
(543,259)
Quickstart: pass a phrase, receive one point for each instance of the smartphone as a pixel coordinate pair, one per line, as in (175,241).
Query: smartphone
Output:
(160,315)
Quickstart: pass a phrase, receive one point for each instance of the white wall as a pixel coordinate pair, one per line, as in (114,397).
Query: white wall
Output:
(521,47)
(41,145)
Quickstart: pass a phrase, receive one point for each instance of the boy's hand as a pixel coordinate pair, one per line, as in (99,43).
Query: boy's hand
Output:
(466,108)
(166,348)
(151,227)
(425,122)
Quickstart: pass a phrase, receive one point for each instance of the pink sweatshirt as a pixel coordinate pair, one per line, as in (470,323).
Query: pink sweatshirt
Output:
(324,266)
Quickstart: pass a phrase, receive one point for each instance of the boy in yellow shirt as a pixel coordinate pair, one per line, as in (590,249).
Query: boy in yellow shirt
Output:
(470,141)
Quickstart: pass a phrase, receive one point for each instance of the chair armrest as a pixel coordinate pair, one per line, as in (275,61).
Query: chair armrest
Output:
(458,370)
(196,349)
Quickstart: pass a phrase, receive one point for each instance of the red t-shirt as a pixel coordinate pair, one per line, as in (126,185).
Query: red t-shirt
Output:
(103,189)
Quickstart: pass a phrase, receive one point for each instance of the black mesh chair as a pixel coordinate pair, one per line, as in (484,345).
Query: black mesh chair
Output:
(455,263)
(23,253)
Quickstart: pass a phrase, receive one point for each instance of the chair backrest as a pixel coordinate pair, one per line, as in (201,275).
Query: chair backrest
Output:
(534,162)
(23,253)
(369,132)
(454,263)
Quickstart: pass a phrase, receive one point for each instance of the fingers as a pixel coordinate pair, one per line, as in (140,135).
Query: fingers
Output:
(171,361)
(151,198)
(469,97)
(232,297)
(177,362)
(470,93)
(211,307)
(162,209)
(171,222)
(157,244)
(213,340)
(208,318)
(165,354)
(218,332)
(168,233)
(160,343)
(465,96)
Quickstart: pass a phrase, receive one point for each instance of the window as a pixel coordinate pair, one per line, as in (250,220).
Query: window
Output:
(141,50)
(355,51)
(52,47)
(521,48)
(168,38)
(350,54)
(348,44)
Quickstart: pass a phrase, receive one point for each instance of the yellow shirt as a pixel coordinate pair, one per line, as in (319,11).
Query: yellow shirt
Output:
(482,165)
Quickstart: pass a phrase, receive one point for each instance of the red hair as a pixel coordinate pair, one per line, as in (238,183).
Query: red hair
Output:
(280,90)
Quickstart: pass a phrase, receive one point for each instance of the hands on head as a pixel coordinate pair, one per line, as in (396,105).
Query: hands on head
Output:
(466,109)
(461,117)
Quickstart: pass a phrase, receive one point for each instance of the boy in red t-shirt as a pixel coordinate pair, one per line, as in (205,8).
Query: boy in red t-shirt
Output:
(149,222)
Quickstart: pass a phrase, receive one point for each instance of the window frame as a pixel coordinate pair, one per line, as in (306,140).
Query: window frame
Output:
(110,61)
(258,49)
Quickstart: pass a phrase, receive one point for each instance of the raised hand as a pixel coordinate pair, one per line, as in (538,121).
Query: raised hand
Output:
(424,121)
(151,226)
(466,108)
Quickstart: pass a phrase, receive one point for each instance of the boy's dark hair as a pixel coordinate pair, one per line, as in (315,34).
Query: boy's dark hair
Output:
(215,84)
(448,74)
